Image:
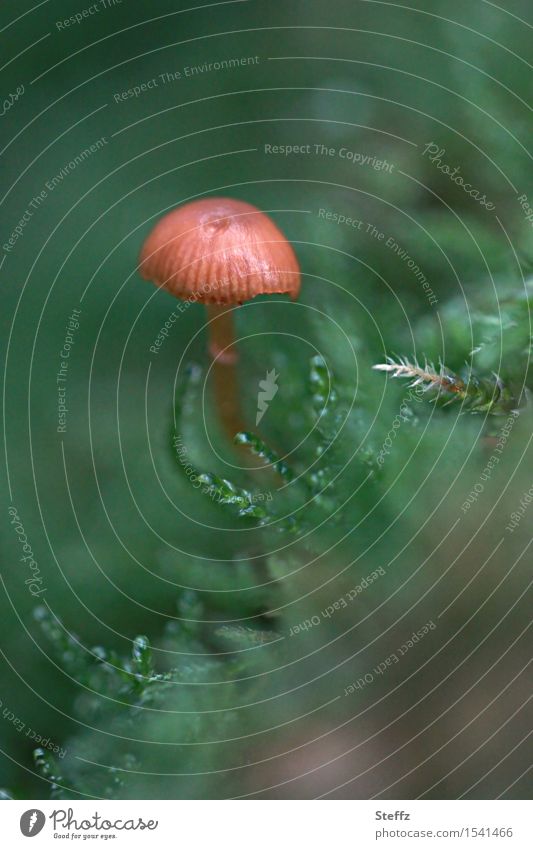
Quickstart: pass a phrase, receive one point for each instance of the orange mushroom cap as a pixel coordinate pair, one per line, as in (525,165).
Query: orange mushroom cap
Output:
(219,251)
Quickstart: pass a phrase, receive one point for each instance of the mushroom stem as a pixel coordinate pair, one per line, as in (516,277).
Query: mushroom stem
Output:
(221,334)
(225,358)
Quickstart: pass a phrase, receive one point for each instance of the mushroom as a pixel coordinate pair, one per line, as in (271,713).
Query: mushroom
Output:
(220,252)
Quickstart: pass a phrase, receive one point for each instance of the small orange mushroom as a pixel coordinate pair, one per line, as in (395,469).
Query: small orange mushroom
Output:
(220,252)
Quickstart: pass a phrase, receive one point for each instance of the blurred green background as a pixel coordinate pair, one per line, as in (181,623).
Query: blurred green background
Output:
(124,544)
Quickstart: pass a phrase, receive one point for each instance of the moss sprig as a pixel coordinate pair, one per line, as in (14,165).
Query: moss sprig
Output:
(478,395)
(260,449)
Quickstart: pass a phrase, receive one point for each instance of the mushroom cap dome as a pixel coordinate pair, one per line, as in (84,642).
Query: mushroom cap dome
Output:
(219,250)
